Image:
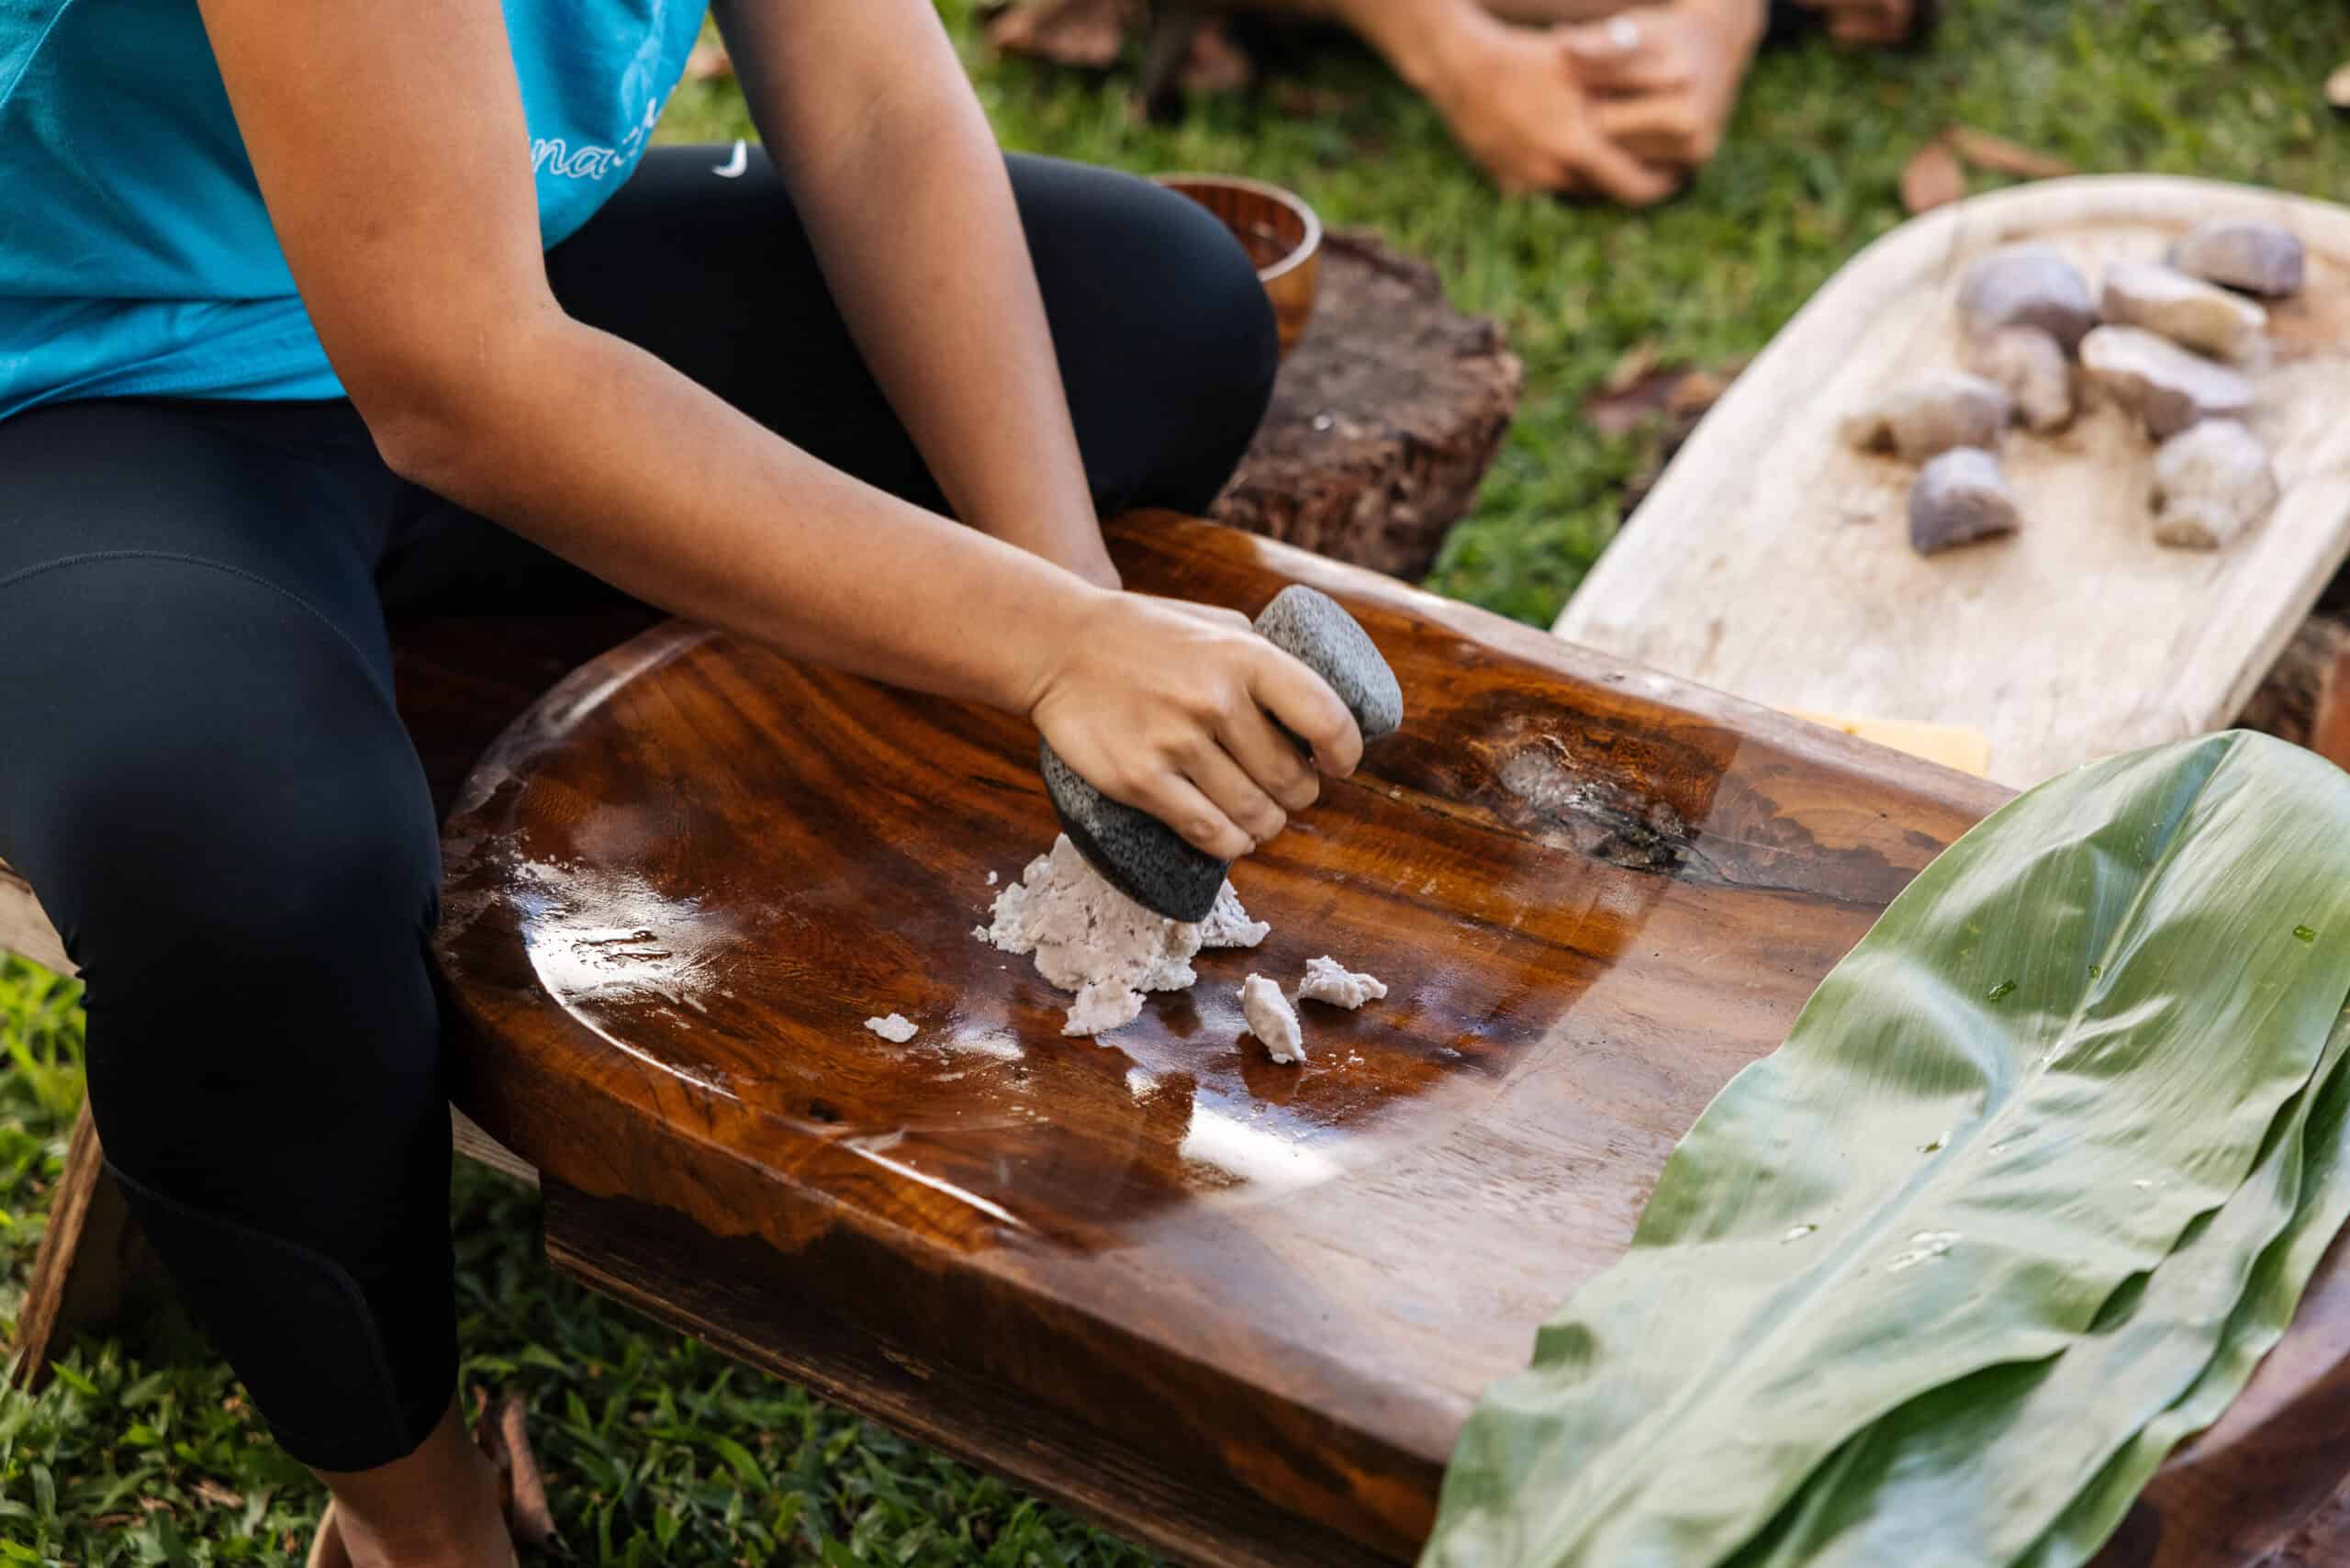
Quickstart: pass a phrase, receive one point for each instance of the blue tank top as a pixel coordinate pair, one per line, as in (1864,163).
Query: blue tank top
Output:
(134,253)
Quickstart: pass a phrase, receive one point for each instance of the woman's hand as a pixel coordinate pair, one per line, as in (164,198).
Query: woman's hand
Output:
(1170,707)
(1666,77)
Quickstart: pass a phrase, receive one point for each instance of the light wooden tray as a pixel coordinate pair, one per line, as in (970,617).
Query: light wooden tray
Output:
(1774,563)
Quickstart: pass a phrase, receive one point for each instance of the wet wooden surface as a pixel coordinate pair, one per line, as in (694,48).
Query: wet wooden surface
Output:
(1235,1310)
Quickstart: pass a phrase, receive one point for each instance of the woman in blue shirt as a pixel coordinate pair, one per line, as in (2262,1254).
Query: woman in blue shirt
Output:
(304,307)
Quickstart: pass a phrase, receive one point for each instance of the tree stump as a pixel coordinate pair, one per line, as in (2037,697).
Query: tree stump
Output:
(2305,697)
(1383,420)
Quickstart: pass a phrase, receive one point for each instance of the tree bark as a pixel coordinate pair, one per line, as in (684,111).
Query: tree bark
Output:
(1383,421)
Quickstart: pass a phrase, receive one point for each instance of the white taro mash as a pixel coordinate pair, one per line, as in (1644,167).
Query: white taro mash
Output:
(1089,938)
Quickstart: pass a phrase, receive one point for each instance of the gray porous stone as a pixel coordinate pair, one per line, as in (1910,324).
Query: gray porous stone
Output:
(1150,862)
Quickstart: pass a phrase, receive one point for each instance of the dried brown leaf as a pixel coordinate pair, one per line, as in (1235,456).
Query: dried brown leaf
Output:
(1631,368)
(500,1434)
(1698,391)
(1686,398)
(1216,65)
(1299,101)
(709,62)
(2001,156)
(1932,179)
(1677,394)
(219,1496)
(528,1514)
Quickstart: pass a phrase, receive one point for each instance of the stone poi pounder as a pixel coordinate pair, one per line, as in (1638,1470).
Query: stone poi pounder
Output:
(1150,862)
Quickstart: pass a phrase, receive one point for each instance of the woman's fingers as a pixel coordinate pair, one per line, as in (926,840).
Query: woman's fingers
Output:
(1615,169)
(1228,787)
(1270,758)
(1622,55)
(1205,825)
(1666,128)
(1305,706)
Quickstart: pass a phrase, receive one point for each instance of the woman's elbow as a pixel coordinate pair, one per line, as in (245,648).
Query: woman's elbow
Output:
(422,439)
(434,411)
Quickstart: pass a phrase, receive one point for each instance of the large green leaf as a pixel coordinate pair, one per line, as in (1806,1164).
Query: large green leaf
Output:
(2066,1042)
(1979,1470)
(2260,1319)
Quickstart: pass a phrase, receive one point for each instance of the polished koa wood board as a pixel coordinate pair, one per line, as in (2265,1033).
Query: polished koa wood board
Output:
(1239,1311)
(1773,561)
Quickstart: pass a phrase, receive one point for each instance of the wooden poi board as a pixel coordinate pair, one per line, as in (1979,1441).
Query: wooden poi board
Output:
(1772,561)
(1237,1311)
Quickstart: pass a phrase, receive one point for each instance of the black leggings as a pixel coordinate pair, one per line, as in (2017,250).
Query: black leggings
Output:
(206,784)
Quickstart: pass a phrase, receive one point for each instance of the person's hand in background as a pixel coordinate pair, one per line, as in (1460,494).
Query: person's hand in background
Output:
(1518,104)
(1508,92)
(1664,79)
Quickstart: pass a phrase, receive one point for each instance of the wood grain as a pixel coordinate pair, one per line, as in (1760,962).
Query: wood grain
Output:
(742,1297)
(1773,562)
(1265,1298)
(470,1142)
(1383,421)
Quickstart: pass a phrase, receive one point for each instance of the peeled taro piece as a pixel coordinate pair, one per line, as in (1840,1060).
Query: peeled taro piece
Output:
(1959,497)
(2212,481)
(2165,385)
(1927,417)
(2188,311)
(2029,365)
(2027,286)
(2259,258)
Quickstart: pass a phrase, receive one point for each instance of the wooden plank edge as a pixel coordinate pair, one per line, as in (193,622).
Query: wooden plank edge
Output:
(82,1264)
(468,1139)
(973,1419)
(24,929)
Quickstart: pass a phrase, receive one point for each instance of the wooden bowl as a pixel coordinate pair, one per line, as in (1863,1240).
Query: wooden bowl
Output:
(1283,236)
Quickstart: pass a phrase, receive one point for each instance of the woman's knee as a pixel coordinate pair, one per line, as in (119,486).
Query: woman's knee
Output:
(1166,340)
(221,812)
(255,851)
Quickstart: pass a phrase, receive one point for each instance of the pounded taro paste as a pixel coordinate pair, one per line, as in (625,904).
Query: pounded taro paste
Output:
(1089,938)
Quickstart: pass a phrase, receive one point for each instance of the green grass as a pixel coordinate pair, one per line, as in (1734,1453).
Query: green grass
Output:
(658,1451)
(2227,88)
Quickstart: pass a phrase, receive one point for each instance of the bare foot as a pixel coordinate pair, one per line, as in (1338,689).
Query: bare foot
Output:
(1866,22)
(1515,103)
(438,1507)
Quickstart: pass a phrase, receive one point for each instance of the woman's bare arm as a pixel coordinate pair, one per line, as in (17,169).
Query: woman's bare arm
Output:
(389,143)
(870,116)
